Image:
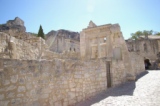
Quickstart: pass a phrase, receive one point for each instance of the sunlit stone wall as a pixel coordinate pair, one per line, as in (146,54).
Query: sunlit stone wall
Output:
(51,83)
(13,48)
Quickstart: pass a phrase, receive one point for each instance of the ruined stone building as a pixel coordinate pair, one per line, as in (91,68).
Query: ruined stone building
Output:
(62,71)
(148,47)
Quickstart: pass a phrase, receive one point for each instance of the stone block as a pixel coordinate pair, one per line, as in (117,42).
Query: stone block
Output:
(1,66)
(14,78)
(65,103)
(6,82)
(21,89)
(71,95)
(11,87)
(20,95)
(58,103)
(29,77)
(16,102)
(44,96)
(1,96)
(10,95)
(86,75)
(46,90)
(2,89)
(78,76)
(72,101)
(72,84)
(4,103)
(21,80)
(29,86)
(79,98)
(35,103)
(54,98)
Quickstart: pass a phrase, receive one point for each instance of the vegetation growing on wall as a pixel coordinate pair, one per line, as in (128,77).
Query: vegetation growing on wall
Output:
(137,34)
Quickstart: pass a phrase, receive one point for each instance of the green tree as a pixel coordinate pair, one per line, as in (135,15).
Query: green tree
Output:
(40,32)
(137,34)
(158,33)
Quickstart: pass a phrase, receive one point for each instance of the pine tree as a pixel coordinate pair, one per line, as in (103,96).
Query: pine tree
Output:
(40,32)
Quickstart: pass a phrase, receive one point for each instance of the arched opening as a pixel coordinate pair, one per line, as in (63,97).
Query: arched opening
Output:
(147,64)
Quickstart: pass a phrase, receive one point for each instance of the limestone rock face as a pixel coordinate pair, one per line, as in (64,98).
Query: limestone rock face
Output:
(16,21)
(63,40)
(64,33)
(16,24)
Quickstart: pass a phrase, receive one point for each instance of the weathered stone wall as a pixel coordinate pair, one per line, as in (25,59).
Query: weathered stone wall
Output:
(107,42)
(118,73)
(137,63)
(146,48)
(30,50)
(49,83)
(120,54)
(16,48)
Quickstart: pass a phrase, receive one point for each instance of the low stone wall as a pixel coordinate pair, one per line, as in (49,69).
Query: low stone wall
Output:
(50,83)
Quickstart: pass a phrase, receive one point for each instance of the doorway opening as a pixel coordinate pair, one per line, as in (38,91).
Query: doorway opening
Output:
(108,72)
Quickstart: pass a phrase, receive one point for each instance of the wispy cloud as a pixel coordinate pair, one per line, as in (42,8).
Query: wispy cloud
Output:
(91,6)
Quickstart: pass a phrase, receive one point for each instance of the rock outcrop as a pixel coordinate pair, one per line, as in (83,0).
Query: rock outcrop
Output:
(63,40)
(16,24)
(64,33)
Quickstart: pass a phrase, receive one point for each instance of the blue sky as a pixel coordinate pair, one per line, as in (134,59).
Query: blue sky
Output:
(74,15)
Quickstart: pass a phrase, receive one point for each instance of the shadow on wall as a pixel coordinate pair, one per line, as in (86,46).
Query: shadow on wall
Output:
(124,89)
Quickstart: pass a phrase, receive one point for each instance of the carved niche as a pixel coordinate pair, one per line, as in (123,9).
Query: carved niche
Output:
(117,53)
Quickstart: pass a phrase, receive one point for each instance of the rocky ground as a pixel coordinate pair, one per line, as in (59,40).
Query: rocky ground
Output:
(143,92)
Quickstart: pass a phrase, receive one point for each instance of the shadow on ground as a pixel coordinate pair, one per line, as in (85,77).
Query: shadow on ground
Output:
(124,89)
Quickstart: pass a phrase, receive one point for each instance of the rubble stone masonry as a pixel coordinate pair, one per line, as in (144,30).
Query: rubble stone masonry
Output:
(50,83)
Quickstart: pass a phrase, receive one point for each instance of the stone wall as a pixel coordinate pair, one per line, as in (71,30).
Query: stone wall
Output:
(50,83)
(137,63)
(30,49)
(146,48)
(16,48)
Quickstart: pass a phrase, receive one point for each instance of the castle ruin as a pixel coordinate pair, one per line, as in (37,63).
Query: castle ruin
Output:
(38,72)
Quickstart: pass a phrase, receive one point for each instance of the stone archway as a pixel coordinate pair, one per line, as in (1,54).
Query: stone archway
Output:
(147,64)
